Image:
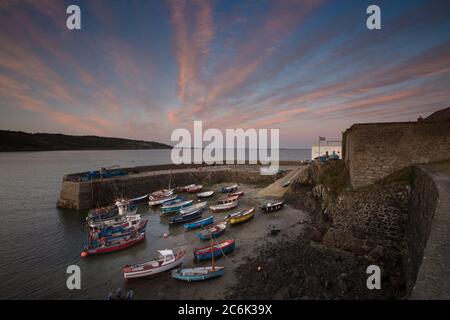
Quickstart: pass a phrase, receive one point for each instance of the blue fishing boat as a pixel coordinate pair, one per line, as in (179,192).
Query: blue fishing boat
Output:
(199,224)
(213,232)
(192,215)
(198,274)
(216,251)
(176,207)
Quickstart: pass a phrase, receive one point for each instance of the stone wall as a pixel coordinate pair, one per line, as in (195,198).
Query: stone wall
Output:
(373,151)
(85,195)
(427,258)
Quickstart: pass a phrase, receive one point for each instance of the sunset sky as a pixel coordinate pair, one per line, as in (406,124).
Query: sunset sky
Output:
(140,69)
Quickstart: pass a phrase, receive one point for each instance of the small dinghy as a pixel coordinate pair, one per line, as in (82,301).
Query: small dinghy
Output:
(217,250)
(236,193)
(274,206)
(186,188)
(195,188)
(158,201)
(138,199)
(227,199)
(212,232)
(224,207)
(100,246)
(166,260)
(205,194)
(198,274)
(231,188)
(241,216)
(176,207)
(199,224)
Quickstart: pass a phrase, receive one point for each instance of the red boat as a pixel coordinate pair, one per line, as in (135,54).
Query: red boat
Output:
(236,193)
(105,246)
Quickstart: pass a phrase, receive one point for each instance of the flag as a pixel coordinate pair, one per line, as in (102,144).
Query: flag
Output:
(322,139)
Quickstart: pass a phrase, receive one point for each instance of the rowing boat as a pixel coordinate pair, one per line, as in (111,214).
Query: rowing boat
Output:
(240,216)
(166,260)
(274,206)
(163,193)
(205,194)
(224,207)
(186,188)
(212,232)
(199,224)
(198,274)
(176,207)
(194,189)
(217,250)
(236,193)
(158,201)
(184,217)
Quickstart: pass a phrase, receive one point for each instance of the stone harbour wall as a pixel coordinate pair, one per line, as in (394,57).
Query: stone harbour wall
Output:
(373,151)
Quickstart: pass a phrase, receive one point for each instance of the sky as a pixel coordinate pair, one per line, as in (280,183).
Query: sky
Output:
(140,69)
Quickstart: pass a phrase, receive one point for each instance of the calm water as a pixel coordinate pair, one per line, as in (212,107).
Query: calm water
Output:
(38,241)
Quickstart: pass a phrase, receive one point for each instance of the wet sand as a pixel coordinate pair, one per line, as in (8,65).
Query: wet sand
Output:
(248,236)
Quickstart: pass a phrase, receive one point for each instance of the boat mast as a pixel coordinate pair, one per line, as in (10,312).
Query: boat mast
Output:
(212,251)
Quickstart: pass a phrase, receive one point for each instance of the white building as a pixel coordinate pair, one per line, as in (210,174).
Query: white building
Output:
(326,147)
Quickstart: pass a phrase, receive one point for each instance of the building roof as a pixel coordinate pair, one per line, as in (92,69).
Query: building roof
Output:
(328,144)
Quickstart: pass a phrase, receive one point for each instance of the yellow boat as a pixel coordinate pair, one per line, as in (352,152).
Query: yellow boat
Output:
(240,216)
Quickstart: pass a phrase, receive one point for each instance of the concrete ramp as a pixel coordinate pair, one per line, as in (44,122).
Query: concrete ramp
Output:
(277,189)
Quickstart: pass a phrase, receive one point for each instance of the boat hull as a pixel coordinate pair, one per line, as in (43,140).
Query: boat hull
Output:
(185,274)
(154,271)
(241,219)
(215,251)
(186,217)
(199,224)
(109,249)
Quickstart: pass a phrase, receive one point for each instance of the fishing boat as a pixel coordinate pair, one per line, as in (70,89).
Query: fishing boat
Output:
(231,188)
(103,213)
(217,250)
(212,232)
(157,201)
(163,193)
(176,207)
(194,207)
(236,193)
(118,231)
(195,188)
(188,215)
(205,194)
(138,199)
(166,260)
(186,188)
(198,274)
(99,246)
(224,207)
(199,224)
(274,206)
(241,216)
(125,221)
(227,199)
(126,207)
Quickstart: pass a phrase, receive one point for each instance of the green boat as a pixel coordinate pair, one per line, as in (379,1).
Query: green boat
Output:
(175,208)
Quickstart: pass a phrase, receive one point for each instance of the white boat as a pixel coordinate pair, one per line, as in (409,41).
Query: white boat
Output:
(162,200)
(205,194)
(194,207)
(166,260)
(161,194)
(224,206)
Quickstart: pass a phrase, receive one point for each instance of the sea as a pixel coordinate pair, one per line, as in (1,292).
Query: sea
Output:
(39,241)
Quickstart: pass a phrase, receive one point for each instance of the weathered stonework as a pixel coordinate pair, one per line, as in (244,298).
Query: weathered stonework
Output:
(374,150)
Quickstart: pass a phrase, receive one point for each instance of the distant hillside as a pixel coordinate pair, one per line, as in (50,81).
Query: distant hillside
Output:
(22,141)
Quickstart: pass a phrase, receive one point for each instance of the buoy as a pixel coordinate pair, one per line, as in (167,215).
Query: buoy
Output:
(84,254)
(166,235)
(259,269)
